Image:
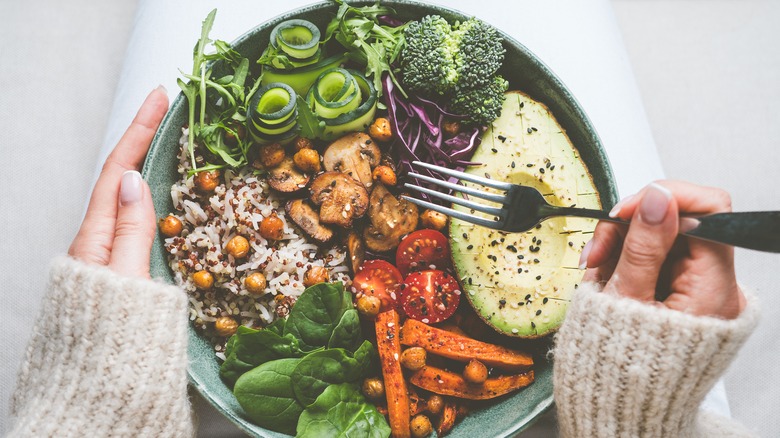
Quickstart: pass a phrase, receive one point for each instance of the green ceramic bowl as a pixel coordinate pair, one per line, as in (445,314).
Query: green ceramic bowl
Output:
(524,71)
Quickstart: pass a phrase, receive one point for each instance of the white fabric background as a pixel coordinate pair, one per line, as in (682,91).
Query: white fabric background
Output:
(705,70)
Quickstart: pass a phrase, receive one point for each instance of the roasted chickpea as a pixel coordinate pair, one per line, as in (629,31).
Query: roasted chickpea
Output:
(303,143)
(368,305)
(308,160)
(380,130)
(207,181)
(374,388)
(170,226)
(315,275)
(271,155)
(451,128)
(385,175)
(255,283)
(414,358)
(435,404)
(271,227)
(225,326)
(238,247)
(475,372)
(203,280)
(433,220)
(421,426)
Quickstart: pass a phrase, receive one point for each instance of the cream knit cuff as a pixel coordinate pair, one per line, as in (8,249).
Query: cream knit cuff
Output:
(625,368)
(108,356)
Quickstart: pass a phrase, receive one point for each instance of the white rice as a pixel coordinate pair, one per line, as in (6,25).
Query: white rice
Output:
(237,206)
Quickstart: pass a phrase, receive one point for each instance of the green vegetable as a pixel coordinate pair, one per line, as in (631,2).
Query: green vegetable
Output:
(369,43)
(272,114)
(322,119)
(482,104)
(347,333)
(217,97)
(316,313)
(301,78)
(249,348)
(342,411)
(457,64)
(266,395)
(300,39)
(317,371)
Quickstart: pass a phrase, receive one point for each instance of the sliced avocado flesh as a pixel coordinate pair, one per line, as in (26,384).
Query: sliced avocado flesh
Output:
(521,283)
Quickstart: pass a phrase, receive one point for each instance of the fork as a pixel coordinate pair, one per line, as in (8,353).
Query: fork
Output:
(522,208)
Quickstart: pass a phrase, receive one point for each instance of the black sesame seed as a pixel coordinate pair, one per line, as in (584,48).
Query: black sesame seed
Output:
(470,247)
(534,128)
(538,312)
(552,167)
(547,165)
(466,236)
(520,257)
(533,325)
(494,150)
(538,226)
(538,277)
(470,282)
(522,104)
(513,164)
(502,301)
(511,248)
(534,239)
(529,130)
(521,303)
(487,175)
(519,270)
(528,297)
(502,138)
(545,300)
(541,170)
(529,165)
(536,260)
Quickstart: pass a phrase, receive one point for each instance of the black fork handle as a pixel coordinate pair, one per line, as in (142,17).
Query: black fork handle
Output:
(758,230)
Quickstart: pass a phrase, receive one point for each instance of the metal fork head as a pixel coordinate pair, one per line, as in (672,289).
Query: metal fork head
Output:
(518,209)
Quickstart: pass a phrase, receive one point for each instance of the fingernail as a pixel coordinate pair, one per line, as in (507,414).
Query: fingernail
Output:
(585,254)
(130,188)
(162,88)
(655,204)
(616,209)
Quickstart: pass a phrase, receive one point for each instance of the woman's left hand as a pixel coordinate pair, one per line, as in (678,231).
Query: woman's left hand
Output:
(119,227)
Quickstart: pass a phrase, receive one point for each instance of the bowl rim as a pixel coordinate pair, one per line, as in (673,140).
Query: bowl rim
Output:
(609,198)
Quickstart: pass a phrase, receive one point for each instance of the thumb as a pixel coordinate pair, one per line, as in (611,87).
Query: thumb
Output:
(650,237)
(135,227)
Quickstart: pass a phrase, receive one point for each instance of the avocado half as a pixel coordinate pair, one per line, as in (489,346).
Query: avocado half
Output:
(521,283)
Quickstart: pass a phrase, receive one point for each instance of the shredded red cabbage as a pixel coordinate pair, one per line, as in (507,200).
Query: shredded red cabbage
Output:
(417,125)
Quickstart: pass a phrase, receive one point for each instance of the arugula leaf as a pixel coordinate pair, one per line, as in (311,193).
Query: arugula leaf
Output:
(342,411)
(311,125)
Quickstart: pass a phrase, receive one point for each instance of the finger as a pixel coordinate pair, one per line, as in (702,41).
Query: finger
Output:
(650,236)
(692,199)
(95,237)
(606,241)
(135,227)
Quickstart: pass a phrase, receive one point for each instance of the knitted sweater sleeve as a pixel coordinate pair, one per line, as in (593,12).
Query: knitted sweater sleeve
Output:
(107,357)
(628,369)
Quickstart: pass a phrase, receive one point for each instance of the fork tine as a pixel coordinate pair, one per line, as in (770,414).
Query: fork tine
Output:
(454,213)
(459,188)
(455,200)
(465,176)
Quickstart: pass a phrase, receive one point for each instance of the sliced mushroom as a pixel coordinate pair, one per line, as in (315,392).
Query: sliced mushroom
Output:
(306,217)
(340,197)
(391,219)
(356,250)
(286,177)
(354,154)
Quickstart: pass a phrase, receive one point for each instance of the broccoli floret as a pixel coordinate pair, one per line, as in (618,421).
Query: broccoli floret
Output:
(479,53)
(481,104)
(427,61)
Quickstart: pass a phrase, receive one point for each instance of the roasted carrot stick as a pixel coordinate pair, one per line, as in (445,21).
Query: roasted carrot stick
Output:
(389,347)
(462,348)
(448,383)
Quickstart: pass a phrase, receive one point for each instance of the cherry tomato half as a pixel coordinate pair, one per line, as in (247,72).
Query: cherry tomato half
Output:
(380,279)
(422,249)
(430,296)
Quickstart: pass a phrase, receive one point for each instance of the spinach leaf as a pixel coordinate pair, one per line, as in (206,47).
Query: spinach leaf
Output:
(249,348)
(316,313)
(347,333)
(265,393)
(311,126)
(317,371)
(342,411)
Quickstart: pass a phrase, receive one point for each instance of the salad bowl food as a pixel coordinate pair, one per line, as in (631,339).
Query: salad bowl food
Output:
(502,416)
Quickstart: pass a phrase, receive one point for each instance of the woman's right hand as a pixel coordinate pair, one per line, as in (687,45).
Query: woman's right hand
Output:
(649,261)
